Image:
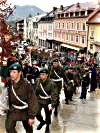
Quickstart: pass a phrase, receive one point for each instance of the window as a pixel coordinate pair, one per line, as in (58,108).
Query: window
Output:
(72,38)
(71,14)
(63,25)
(59,34)
(67,25)
(77,38)
(92,33)
(58,15)
(63,35)
(72,26)
(67,15)
(50,27)
(55,25)
(59,25)
(77,26)
(76,14)
(83,39)
(66,36)
(91,46)
(82,13)
(62,15)
(83,26)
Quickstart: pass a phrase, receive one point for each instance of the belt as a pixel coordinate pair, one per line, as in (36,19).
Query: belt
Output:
(56,80)
(20,107)
(60,79)
(47,97)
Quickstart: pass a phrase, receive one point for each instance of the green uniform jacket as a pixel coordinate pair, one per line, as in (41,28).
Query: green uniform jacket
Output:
(26,93)
(50,88)
(70,84)
(60,72)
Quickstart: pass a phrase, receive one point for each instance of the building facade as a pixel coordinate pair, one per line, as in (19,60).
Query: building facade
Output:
(31,28)
(94,33)
(69,28)
(20,29)
(45,31)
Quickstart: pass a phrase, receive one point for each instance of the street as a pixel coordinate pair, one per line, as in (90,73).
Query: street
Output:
(73,118)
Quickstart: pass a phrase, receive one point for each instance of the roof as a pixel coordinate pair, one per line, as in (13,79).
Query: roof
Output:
(95,15)
(83,7)
(38,17)
(20,21)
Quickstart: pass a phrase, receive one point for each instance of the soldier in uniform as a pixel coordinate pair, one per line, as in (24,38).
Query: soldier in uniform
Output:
(46,92)
(35,71)
(57,74)
(23,103)
(69,86)
(77,78)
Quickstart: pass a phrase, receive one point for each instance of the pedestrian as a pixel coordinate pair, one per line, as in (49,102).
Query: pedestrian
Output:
(93,78)
(22,101)
(46,92)
(85,84)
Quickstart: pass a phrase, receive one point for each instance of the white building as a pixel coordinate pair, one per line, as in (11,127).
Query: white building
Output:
(45,31)
(31,28)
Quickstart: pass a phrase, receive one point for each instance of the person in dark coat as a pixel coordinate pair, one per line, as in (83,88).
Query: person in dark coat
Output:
(69,86)
(46,92)
(85,84)
(23,103)
(93,78)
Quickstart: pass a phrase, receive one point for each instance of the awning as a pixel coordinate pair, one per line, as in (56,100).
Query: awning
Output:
(69,46)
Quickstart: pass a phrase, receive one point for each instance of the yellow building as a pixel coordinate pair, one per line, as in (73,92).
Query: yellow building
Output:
(70,29)
(94,32)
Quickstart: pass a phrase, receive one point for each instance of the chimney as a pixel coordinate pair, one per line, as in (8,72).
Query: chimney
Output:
(61,7)
(54,9)
(98,2)
(78,5)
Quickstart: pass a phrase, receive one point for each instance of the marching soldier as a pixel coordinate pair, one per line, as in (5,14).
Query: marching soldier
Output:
(35,71)
(77,76)
(69,86)
(22,101)
(58,76)
(46,92)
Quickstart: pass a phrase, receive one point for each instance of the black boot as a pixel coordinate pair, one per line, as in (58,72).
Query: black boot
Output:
(41,125)
(56,111)
(47,130)
(66,102)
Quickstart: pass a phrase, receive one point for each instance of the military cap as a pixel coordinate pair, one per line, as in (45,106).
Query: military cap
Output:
(15,66)
(86,68)
(55,60)
(34,62)
(70,67)
(65,67)
(43,70)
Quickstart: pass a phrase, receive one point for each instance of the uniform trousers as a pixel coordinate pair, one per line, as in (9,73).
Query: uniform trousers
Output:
(83,93)
(47,114)
(10,125)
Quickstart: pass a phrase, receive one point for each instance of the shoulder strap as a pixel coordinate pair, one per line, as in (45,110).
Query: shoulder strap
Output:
(17,96)
(57,74)
(43,90)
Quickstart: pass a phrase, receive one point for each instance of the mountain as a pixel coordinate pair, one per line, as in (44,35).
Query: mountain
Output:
(24,11)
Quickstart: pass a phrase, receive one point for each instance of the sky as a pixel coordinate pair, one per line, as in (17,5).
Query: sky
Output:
(47,5)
